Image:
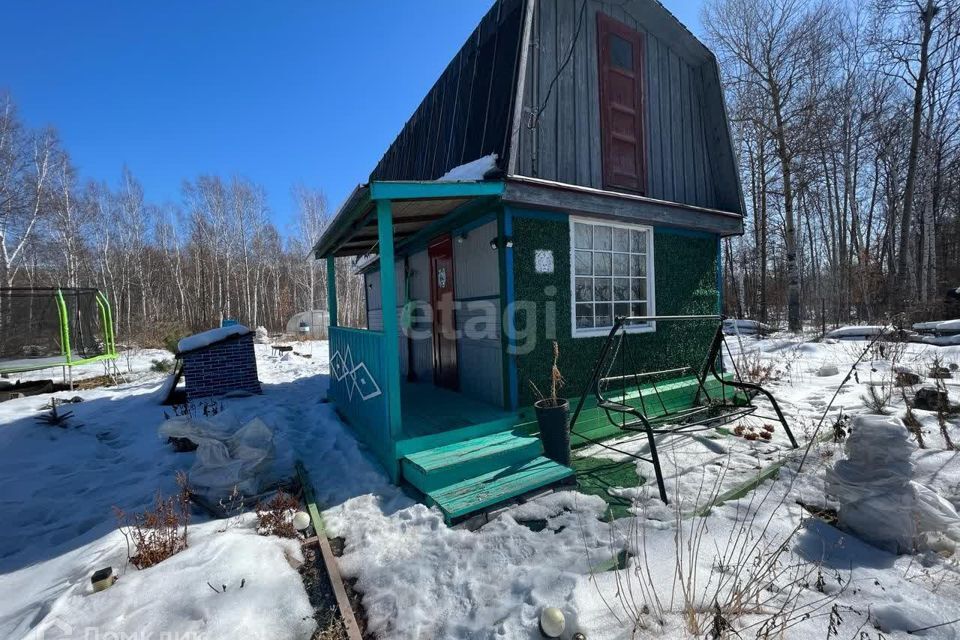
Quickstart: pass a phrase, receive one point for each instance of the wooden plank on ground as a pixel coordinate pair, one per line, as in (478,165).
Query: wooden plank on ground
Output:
(329,561)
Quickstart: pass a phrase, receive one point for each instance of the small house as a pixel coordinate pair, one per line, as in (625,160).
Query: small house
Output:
(605,183)
(219,361)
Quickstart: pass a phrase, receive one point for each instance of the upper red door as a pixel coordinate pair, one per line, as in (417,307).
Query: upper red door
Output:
(442,297)
(621,105)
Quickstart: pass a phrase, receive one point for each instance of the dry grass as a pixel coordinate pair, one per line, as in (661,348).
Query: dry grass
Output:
(275,518)
(158,533)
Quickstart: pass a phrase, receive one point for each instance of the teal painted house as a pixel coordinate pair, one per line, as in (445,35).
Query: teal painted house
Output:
(614,182)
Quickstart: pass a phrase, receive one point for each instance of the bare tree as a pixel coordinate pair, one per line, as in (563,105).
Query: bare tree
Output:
(780,48)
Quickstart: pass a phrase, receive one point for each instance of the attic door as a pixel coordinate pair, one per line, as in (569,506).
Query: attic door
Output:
(621,105)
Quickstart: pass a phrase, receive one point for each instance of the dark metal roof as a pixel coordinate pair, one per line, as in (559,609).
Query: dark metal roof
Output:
(467,113)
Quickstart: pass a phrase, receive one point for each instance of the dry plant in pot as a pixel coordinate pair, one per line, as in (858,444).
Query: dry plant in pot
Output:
(553,415)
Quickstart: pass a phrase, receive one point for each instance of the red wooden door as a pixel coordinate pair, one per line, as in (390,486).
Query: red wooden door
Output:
(444,320)
(621,105)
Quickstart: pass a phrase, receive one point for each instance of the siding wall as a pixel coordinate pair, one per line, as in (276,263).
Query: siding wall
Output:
(477,277)
(478,316)
(689,159)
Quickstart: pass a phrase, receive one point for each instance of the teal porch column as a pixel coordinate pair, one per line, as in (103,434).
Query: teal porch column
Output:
(332,291)
(388,298)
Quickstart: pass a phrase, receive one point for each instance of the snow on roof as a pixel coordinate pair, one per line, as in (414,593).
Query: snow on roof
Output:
(860,331)
(939,326)
(471,171)
(206,338)
(733,325)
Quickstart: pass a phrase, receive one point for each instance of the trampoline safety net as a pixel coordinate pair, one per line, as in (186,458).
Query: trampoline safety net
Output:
(53,327)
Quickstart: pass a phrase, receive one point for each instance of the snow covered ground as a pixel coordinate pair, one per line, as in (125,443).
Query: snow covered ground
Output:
(761,559)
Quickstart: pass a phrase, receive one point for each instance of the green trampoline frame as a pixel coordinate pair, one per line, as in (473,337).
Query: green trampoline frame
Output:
(66,356)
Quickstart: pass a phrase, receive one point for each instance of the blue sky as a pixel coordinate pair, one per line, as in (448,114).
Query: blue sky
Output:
(281,92)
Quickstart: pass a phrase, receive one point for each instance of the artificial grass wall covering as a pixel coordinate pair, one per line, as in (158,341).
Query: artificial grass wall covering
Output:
(685,272)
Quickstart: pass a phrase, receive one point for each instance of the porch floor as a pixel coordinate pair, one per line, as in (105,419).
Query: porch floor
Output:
(428,410)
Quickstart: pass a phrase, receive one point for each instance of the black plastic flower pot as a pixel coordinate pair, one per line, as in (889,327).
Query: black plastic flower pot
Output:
(553,417)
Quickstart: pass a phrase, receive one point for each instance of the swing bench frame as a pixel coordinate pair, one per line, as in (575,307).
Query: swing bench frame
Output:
(705,412)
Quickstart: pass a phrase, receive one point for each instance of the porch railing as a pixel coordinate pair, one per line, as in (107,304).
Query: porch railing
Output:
(358,386)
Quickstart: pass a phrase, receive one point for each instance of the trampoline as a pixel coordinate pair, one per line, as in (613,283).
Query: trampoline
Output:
(42,328)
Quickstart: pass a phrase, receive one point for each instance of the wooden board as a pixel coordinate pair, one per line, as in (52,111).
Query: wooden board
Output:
(497,486)
(329,561)
(442,466)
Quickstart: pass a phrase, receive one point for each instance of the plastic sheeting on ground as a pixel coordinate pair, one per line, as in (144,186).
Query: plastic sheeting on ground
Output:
(879,501)
(228,455)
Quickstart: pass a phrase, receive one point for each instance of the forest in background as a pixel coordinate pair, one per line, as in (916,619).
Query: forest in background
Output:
(168,268)
(846,119)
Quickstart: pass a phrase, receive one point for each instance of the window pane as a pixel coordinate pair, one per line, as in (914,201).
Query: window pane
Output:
(604,316)
(639,309)
(621,264)
(638,266)
(638,241)
(583,266)
(601,238)
(601,289)
(601,264)
(621,52)
(621,240)
(638,288)
(621,309)
(584,289)
(584,315)
(621,289)
(583,236)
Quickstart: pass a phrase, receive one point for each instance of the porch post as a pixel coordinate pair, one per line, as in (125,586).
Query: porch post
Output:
(331,291)
(388,299)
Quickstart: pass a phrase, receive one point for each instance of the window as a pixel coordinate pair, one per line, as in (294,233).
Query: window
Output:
(621,105)
(611,275)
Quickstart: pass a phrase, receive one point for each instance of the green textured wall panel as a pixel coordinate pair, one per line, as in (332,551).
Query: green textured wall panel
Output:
(685,272)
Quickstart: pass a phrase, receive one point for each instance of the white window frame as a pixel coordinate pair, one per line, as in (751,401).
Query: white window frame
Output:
(592,332)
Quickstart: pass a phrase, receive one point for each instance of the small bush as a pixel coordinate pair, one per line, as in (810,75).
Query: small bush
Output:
(158,533)
(877,399)
(171,338)
(275,518)
(162,366)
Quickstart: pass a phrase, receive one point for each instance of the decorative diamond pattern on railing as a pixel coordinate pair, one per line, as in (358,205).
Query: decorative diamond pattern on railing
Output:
(357,377)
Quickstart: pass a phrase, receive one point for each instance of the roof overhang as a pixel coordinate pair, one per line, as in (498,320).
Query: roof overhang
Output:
(414,205)
(558,196)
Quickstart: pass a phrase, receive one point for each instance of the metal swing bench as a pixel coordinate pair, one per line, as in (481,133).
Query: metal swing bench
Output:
(634,401)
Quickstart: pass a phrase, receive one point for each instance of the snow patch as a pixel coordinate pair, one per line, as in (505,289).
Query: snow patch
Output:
(472,171)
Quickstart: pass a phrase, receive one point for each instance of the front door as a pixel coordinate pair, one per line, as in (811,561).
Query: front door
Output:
(444,321)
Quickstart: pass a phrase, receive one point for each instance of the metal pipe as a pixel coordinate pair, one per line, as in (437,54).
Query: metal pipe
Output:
(623,319)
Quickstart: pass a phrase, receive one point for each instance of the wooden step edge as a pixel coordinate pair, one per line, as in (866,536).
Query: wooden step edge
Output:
(520,442)
(499,499)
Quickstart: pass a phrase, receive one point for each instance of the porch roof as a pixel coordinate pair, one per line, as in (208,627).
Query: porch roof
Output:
(415,206)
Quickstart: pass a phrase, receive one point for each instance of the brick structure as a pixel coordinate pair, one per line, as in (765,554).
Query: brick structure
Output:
(227,365)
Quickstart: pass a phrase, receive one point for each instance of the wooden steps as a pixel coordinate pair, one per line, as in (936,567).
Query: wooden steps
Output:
(472,475)
(469,469)
(500,485)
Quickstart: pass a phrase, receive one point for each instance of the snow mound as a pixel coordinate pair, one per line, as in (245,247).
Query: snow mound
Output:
(262,336)
(264,597)
(206,338)
(471,171)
